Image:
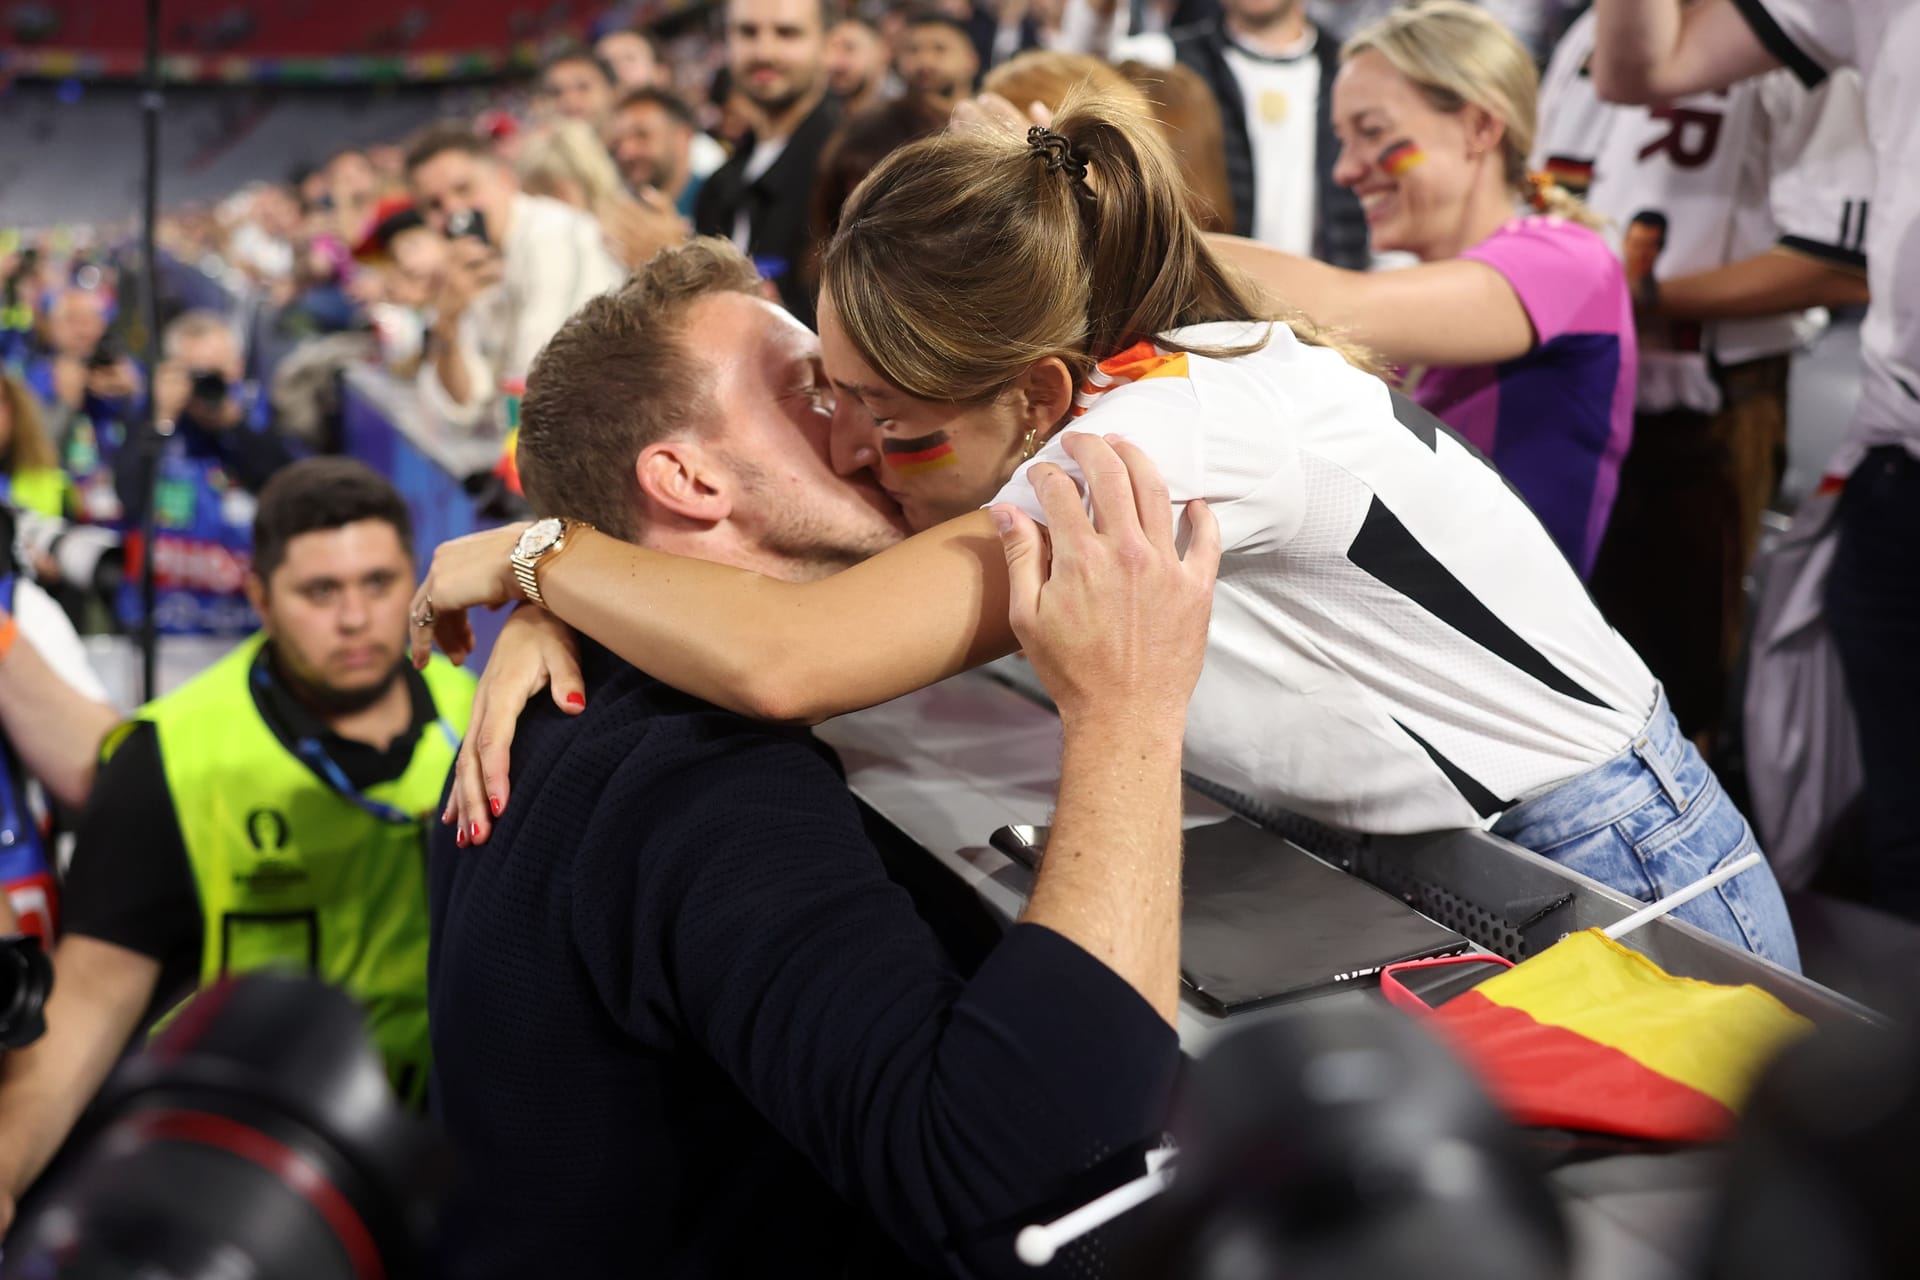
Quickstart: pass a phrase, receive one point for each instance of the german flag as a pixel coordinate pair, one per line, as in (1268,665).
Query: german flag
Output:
(508,468)
(1575,175)
(922,453)
(1592,1035)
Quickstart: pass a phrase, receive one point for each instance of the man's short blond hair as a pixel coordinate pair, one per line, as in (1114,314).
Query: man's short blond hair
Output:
(618,377)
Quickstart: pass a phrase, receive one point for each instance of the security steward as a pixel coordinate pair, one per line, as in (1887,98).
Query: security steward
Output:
(270,813)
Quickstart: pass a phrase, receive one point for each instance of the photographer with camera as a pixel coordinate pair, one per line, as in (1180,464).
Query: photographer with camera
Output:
(517,266)
(218,445)
(78,367)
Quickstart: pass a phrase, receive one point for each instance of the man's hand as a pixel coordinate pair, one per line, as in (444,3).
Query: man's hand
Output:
(1115,619)
(472,268)
(638,228)
(115,382)
(172,385)
(69,381)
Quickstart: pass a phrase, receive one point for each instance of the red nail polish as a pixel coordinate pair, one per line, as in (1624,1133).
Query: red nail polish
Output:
(576,699)
(493,803)
(460,839)
(473,833)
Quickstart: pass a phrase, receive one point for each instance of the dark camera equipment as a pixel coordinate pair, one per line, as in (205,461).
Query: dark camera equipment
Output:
(209,387)
(1347,1145)
(87,557)
(107,354)
(467,224)
(26,980)
(25,267)
(1821,1175)
(257,1137)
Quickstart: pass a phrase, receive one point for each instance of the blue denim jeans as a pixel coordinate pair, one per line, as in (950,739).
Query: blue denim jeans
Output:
(1653,820)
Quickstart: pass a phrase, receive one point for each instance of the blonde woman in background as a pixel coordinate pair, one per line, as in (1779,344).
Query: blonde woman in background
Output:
(567,162)
(1516,327)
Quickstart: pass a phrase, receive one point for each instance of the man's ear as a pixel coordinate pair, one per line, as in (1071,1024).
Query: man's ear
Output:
(1045,393)
(679,478)
(257,594)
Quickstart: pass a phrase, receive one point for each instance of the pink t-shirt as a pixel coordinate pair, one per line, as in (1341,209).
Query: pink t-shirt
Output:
(1557,420)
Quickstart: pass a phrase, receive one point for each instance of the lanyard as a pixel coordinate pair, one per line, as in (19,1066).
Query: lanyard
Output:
(315,757)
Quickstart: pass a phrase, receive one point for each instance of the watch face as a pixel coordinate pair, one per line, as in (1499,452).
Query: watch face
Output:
(539,538)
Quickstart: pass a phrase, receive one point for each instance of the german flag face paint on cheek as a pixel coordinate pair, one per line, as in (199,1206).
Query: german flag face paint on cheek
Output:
(913,456)
(1401,156)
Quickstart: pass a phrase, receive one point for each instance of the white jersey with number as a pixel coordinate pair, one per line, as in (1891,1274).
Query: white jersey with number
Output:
(1711,179)
(1882,39)
(1397,643)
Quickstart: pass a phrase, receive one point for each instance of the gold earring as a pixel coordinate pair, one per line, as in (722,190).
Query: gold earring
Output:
(1031,444)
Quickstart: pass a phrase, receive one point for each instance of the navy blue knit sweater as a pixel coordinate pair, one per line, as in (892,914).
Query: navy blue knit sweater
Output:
(683,1024)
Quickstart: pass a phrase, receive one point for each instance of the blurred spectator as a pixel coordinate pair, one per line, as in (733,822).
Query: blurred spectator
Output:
(318,300)
(858,64)
(1184,106)
(1273,76)
(409,258)
(568,164)
(578,86)
(30,475)
(219,444)
(1752,190)
(1047,77)
(1178,100)
(261,242)
(513,275)
(762,197)
(389,161)
(732,112)
(90,389)
(633,58)
(53,715)
(859,145)
(940,64)
(652,133)
(354,189)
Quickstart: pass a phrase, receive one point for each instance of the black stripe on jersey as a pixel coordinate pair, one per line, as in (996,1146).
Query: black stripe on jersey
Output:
(1860,232)
(1388,553)
(1484,802)
(1425,427)
(1852,259)
(1779,43)
(1846,222)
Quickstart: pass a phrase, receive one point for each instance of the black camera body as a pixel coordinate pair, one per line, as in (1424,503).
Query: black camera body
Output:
(107,354)
(26,980)
(256,1136)
(209,387)
(468,224)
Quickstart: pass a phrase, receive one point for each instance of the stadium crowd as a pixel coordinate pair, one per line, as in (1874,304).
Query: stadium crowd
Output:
(1580,247)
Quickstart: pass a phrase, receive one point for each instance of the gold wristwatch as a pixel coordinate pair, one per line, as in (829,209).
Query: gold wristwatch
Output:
(543,540)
